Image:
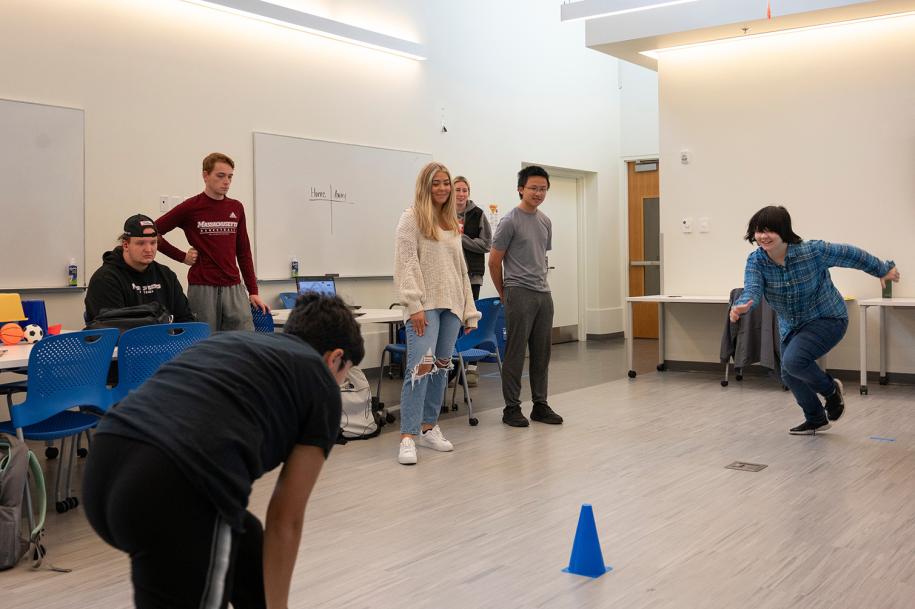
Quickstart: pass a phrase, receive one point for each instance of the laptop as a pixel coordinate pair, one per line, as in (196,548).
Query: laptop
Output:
(320,285)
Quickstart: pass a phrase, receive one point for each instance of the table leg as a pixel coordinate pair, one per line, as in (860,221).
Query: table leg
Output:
(862,347)
(883,378)
(662,331)
(629,338)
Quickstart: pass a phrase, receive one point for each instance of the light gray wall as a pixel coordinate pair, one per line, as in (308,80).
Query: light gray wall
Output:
(164,83)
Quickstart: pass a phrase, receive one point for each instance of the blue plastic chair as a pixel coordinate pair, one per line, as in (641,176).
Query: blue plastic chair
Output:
(263,322)
(499,330)
(35,313)
(141,351)
(288,299)
(65,372)
(479,345)
(396,352)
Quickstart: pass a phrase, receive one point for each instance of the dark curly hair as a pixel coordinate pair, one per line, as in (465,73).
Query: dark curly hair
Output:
(326,323)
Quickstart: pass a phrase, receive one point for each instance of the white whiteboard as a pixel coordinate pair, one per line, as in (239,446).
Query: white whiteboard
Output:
(332,206)
(41,195)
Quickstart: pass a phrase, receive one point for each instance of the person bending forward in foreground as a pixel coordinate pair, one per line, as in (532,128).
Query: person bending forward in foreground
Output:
(793,274)
(172,465)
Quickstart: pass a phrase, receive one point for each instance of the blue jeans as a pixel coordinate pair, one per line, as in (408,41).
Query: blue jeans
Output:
(800,372)
(422,394)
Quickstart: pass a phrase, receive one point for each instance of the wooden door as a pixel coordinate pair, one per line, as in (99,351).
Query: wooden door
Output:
(644,193)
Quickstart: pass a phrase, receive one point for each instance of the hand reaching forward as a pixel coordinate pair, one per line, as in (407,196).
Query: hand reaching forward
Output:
(738,310)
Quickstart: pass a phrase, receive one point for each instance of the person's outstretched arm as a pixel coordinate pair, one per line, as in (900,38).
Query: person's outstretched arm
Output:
(849,256)
(752,290)
(285,518)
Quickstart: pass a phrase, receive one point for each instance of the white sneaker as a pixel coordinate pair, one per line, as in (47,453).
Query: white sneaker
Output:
(407,454)
(435,440)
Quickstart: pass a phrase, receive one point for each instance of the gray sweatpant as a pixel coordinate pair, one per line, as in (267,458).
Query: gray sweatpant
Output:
(528,324)
(223,307)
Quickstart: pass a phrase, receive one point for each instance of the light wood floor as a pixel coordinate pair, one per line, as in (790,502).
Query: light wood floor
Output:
(829,524)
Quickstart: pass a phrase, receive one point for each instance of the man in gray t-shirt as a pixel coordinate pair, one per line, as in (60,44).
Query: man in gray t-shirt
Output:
(517,264)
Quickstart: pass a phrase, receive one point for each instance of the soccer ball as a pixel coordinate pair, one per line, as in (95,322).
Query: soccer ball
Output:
(33,333)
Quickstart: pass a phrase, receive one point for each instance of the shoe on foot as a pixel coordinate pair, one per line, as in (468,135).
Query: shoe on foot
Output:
(435,439)
(473,377)
(835,404)
(545,414)
(407,454)
(512,417)
(808,429)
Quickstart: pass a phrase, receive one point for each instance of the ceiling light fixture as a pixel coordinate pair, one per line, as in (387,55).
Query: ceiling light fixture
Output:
(656,53)
(592,9)
(320,26)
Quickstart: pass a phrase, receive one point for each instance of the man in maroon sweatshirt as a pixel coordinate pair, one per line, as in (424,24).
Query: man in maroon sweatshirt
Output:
(215,227)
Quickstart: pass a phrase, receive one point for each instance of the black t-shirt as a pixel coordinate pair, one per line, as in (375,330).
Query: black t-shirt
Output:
(231,408)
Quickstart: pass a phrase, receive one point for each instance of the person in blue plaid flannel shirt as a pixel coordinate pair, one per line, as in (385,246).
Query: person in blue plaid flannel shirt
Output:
(793,275)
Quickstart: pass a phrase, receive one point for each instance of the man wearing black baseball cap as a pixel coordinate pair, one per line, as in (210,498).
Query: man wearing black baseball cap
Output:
(130,276)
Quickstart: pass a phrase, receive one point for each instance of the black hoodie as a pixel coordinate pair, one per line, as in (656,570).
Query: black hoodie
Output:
(115,285)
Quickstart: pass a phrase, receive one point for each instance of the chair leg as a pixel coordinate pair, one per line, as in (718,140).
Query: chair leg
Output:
(453,391)
(381,373)
(470,418)
(71,465)
(58,501)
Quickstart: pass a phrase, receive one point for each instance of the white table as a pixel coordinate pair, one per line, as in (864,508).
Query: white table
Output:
(661,299)
(881,304)
(16,356)
(369,316)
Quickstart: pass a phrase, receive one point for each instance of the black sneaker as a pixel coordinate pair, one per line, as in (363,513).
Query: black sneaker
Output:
(835,404)
(512,417)
(545,414)
(808,429)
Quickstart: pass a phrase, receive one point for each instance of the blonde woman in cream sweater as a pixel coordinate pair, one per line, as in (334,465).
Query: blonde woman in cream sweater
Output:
(434,289)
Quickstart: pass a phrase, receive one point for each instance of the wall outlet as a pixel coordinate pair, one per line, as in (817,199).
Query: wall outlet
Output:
(685,157)
(703,225)
(163,203)
(173,201)
(686,225)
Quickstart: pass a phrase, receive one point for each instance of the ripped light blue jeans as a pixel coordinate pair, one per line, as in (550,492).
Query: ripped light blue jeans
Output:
(422,394)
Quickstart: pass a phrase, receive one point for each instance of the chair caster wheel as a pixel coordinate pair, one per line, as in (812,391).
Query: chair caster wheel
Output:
(82,453)
(884,380)
(863,390)
(739,377)
(454,407)
(72,502)
(632,374)
(51,452)
(61,507)
(724,383)
(474,421)
(661,367)
(389,418)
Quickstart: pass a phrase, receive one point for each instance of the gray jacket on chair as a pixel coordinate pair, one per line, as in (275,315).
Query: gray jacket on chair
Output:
(753,339)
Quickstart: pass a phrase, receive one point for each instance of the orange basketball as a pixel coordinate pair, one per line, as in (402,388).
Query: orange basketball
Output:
(11,334)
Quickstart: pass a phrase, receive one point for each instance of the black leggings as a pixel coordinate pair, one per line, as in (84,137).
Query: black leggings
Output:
(182,553)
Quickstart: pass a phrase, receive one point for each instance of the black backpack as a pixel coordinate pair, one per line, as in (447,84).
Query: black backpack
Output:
(126,318)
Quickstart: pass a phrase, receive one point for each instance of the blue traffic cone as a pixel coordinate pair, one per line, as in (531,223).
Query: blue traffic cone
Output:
(586,558)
